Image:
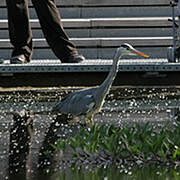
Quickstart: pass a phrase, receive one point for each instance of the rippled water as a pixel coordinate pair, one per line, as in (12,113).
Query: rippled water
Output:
(122,106)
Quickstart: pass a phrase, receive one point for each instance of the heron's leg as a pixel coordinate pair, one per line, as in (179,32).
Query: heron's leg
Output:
(74,120)
(90,120)
(82,120)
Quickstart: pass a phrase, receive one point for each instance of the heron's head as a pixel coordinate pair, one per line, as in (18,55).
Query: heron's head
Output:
(127,49)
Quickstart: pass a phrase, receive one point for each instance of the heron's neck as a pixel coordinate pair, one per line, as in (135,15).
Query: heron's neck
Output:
(106,85)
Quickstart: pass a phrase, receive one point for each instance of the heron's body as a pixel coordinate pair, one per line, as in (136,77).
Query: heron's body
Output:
(81,103)
(88,102)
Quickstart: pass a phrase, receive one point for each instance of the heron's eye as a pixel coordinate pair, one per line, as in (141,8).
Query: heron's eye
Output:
(128,48)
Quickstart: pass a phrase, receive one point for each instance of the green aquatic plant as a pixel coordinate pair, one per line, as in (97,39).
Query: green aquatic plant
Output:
(125,173)
(142,142)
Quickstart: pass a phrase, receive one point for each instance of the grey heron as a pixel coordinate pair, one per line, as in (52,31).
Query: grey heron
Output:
(89,101)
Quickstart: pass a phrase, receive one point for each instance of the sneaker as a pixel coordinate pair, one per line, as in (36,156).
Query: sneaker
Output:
(21,59)
(75,58)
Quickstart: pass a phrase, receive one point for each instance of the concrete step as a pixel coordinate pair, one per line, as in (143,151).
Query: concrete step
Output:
(106,32)
(103,3)
(102,42)
(97,47)
(89,22)
(90,53)
(99,12)
(104,22)
(104,27)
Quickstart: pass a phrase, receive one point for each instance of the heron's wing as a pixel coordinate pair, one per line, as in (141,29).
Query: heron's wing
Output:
(77,103)
(86,104)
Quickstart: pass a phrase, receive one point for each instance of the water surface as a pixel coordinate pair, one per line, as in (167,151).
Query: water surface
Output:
(122,106)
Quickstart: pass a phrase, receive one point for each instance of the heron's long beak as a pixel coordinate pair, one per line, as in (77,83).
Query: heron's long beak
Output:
(139,53)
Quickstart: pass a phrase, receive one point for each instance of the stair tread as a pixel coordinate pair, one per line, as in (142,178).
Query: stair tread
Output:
(104,22)
(103,3)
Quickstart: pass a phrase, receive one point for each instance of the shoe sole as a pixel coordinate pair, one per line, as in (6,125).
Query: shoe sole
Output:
(17,61)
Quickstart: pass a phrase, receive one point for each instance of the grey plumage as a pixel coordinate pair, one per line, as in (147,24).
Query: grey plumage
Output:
(89,101)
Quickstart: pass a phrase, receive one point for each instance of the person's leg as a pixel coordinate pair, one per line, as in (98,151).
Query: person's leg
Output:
(52,28)
(19,28)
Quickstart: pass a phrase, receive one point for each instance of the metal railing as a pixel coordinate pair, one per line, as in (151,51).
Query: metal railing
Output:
(173,53)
